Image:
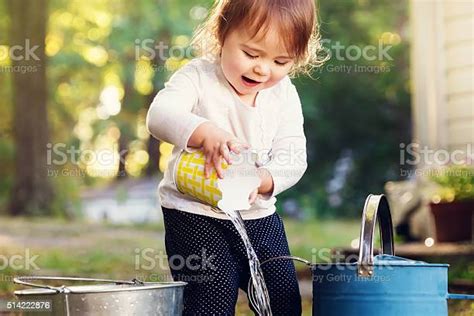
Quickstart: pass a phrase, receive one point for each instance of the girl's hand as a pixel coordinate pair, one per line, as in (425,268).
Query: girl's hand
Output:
(217,145)
(253,196)
(266,185)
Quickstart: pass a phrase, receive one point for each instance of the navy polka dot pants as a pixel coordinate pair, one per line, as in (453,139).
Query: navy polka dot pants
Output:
(210,256)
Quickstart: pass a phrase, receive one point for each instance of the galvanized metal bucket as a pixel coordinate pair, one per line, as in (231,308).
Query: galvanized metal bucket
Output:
(113,297)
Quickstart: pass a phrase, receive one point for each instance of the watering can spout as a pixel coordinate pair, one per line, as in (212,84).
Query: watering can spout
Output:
(453,296)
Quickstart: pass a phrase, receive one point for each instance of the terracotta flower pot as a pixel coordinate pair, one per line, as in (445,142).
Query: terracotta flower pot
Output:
(453,220)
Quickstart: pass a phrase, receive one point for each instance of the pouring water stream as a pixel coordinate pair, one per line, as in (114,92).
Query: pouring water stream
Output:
(262,298)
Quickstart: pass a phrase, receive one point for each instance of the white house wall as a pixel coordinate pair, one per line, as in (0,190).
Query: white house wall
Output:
(442,73)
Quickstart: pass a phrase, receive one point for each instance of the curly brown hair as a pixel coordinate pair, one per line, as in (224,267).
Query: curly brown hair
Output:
(296,20)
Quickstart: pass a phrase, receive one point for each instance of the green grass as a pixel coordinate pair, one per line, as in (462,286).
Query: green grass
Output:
(110,251)
(313,239)
(76,249)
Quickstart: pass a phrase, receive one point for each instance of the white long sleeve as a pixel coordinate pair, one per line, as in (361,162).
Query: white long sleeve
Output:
(170,118)
(198,92)
(288,162)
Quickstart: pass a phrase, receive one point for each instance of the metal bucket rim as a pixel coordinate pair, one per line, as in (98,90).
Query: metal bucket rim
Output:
(35,292)
(81,289)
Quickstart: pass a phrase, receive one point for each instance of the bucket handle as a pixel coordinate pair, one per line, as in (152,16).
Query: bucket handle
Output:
(23,280)
(376,208)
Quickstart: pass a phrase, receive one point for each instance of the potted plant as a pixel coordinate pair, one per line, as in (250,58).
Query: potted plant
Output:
(452,203)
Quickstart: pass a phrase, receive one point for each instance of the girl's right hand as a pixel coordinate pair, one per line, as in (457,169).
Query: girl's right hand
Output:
(217,145)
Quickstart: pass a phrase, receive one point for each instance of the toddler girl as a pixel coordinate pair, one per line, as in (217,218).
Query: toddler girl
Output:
(236,95)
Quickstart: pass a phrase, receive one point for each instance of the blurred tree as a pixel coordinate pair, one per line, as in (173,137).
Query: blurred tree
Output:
(32,192)
(354,120)
(6,113)
(357,111)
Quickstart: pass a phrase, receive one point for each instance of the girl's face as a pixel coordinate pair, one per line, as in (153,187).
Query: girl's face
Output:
(251,65)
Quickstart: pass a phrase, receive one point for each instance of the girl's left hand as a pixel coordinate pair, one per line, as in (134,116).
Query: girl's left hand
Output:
(253,196)
(266,185)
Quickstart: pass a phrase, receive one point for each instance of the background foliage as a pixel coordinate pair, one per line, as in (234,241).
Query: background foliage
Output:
(354,121)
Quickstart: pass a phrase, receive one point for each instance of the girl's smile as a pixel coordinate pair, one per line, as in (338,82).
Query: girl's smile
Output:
(253,64)
(249,82)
